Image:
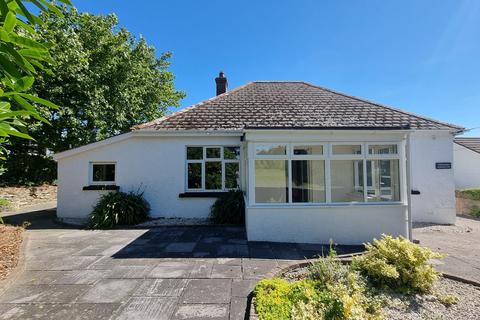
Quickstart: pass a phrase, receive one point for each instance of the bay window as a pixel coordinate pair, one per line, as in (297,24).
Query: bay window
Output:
(319,173)
(212,168)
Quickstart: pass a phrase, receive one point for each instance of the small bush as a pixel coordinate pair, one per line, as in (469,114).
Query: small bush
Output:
(475,211)
(448,300)
(229,209)
(117,209)
(332,291)
(398,264)
(473,194)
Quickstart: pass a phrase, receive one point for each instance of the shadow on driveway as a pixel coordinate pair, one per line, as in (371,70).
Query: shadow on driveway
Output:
(218,242)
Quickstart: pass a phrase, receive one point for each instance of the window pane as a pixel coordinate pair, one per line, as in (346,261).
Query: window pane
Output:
(194,153)
(385,182)
(301,150)
(383,149)
(231,153)
(347,180)
(347,149)
(231,175)
(213,153)
(194,176)
(271,181)
(213,175)
(308,181)
(104,172)
(271,149)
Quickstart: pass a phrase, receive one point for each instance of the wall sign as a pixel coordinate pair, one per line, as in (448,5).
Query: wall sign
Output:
(443,165)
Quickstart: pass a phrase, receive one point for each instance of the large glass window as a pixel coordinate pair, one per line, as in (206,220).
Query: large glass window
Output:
(383,180)
(308,181)
(212,168)
(311,173)
(271,181)
(346,178)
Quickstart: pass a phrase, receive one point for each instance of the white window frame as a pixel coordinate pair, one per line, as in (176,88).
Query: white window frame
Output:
(203,161)
(90,173)
(328,156)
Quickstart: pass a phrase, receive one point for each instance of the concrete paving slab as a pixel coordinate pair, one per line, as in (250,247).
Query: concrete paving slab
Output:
(129,272)
(109,291)
(43,293)
(148,308)
(226,271)
(202,312)
(242,288)
(208,291)
(172,269)
(238,307)
(161,288)
(202,269)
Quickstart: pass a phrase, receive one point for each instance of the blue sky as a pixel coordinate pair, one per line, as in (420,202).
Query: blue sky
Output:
(420,56)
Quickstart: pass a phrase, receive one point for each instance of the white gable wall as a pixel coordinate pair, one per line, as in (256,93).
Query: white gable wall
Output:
(436,201)
(467,167)
(153,164)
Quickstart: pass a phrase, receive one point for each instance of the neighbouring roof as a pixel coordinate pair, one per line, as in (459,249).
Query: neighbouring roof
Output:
(469,143)
(290,105)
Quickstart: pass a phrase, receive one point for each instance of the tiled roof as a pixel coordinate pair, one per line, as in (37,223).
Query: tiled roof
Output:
(290,105)
(469,143)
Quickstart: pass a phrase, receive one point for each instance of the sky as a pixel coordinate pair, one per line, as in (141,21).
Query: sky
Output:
(419,56)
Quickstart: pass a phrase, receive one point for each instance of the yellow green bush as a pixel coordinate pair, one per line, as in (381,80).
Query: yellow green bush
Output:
(398,264)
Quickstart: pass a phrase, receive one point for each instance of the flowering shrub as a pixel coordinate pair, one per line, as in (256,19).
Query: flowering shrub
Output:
(398,264)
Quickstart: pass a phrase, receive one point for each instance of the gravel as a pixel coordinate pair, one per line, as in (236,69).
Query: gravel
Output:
(425,306)
(429,306)
(10,241)
(174,222)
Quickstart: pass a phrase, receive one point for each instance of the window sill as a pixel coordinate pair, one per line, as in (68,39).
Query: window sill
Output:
(101,187)
(202,194)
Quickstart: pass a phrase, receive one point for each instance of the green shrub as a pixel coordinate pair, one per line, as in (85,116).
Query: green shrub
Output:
(5,203)
(229,209)
(475,211)
(448,300)
(117,209)
(332,291)
(473,194)
(398,264)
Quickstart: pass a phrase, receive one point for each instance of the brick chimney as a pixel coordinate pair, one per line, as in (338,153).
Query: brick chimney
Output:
(222,83)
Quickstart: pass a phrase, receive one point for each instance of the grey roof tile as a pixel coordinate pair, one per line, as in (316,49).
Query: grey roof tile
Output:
(469,143)
(290,105)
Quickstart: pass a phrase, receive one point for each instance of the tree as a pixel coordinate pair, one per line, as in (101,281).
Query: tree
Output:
(105,81)
(22,55)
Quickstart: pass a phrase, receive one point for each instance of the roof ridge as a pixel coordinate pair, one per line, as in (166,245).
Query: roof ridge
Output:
(385,106)
(176,113)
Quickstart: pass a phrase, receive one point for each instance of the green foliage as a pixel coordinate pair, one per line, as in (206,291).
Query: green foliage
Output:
(22,56)
(398,264)
(117,209)
(473,194)
(105,81)
(448,300)
(229,209)
(475,211)
(331,291)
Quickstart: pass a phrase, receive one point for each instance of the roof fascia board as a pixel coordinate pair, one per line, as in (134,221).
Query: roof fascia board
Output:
(94,145)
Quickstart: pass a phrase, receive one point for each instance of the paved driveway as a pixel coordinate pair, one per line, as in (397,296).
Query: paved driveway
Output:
(460,242)
(161,273)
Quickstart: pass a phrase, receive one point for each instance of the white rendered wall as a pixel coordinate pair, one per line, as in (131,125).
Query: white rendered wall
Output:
(153,164)
(436,201)
(343,224)
(466,167)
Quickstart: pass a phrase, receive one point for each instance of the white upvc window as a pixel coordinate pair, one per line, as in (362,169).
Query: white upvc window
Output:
(212,168)
(329,172)
(102,173)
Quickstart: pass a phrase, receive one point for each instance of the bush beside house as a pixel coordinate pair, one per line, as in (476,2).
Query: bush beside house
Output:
(468,202)
(119,209)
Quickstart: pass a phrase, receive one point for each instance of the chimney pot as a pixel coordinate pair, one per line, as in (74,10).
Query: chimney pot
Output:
(222,83)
